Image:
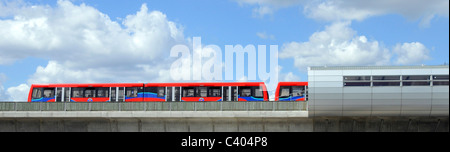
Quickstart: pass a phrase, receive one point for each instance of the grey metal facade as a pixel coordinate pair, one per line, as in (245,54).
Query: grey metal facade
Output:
(378,91)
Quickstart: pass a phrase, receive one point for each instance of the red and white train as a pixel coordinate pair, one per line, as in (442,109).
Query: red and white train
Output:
(160,92)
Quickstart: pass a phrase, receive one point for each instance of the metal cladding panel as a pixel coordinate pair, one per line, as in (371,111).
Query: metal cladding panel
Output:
(322,84)
(439,95)
(424,96)
(439,71)
(357,105)
(328,96)
(351,96)
(440,105)
(325,90)
(386,104)
(328,102)
(357,72)
(416,104)
(442,89)
(416,89)
(386,72)
(328,72)
(327,78)
(364,90)
(416,71)
(377,90)
(387,96)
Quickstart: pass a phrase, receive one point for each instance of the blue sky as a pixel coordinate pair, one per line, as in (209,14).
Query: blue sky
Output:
(50,41)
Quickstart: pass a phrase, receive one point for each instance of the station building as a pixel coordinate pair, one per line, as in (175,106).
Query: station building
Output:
(378,91)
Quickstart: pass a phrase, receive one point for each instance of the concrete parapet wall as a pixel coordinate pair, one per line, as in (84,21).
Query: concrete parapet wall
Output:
(238,124)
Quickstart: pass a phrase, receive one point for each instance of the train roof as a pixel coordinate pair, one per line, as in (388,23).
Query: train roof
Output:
(210,84)
(292,83)
(185,84)
(90,85)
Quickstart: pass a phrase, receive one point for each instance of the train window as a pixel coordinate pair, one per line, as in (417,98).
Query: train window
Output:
(356,83)
(37,93)
(151,89)
(258,92)
(66,94)
(113,94)
(214,92)
(246,92)
(386,83)
(102,92)
(225,93)
(161,91)
(188,92)
(77,92)
(416,83)
(89,92)
(131,91)
(284,92)
(49,93)
(440,83)
(356,78)
(386,78)
(416,77)
(440,77)
(202,92)
(121,96)
(297,91)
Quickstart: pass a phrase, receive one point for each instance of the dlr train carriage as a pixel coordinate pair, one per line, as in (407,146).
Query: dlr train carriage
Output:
(291,91)
(149,92)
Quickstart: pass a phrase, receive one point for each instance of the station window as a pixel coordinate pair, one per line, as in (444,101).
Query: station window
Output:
(356,83)
(416,77)
(386,77)
(440,77)
(440,83)
(356,78)
(416,83)
(386,83)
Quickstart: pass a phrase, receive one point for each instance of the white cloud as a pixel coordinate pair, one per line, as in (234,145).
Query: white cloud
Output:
(83,45)
(264,35)
(348,10)
(19,93)
(268,7)
(338,44)
(338,10)
(3,96)
(411,53)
